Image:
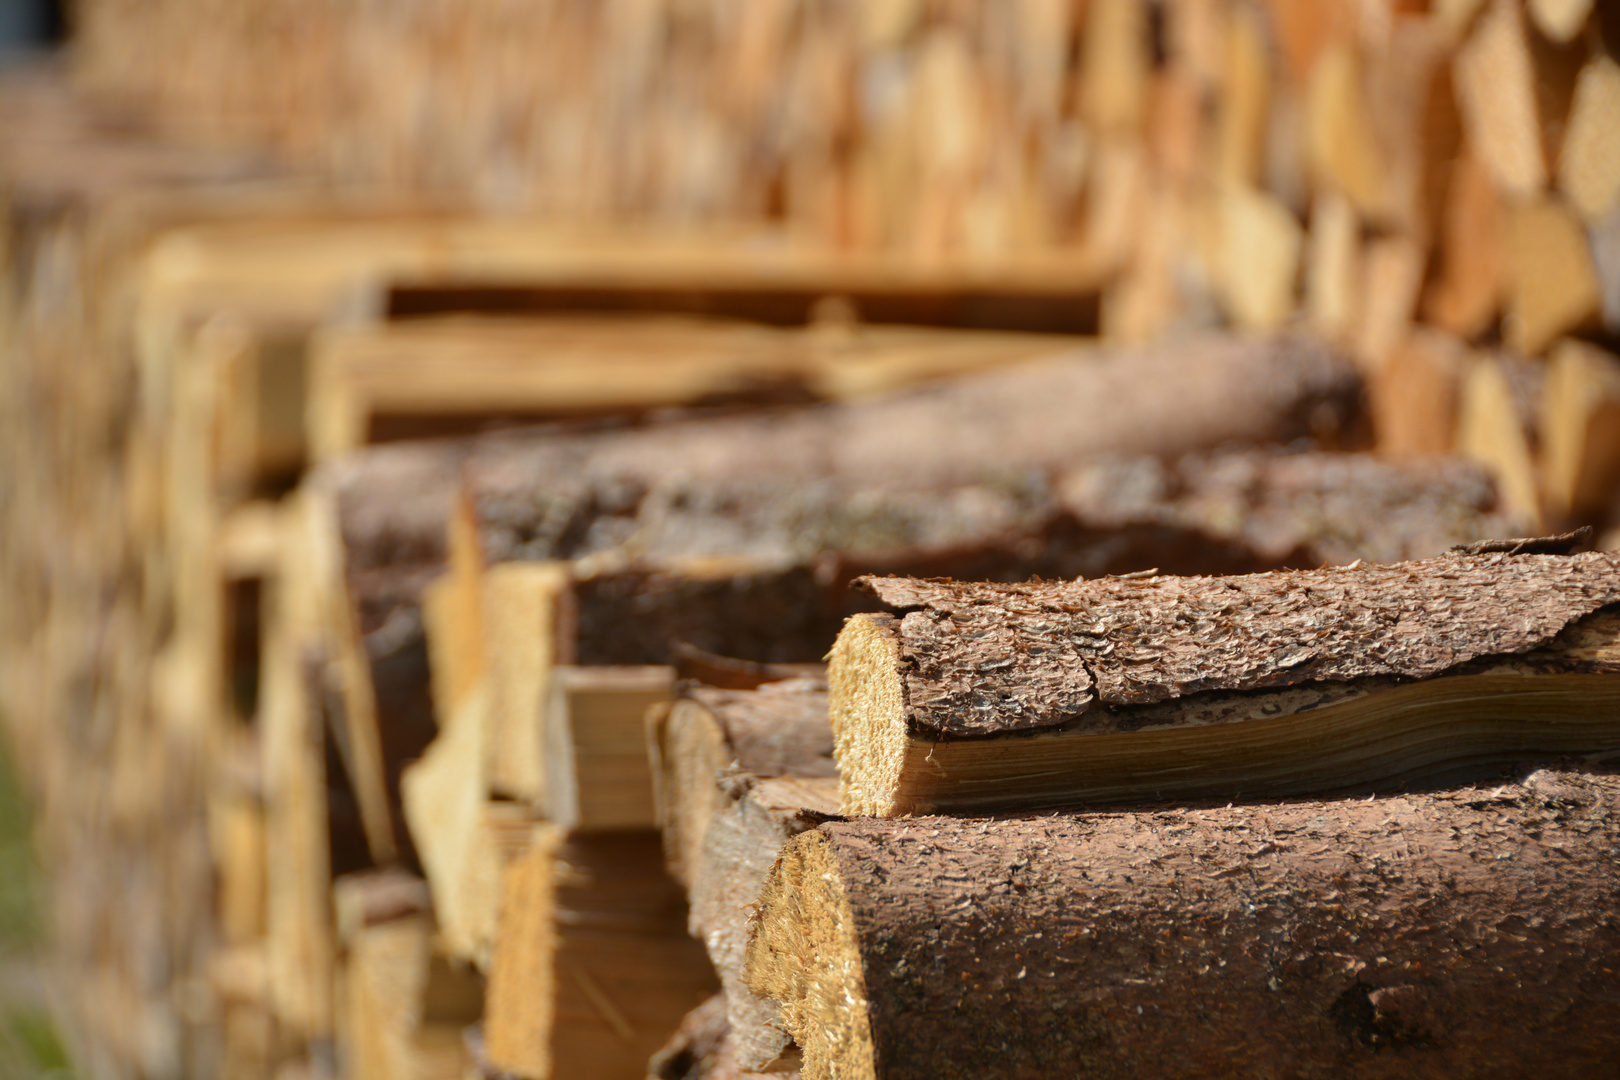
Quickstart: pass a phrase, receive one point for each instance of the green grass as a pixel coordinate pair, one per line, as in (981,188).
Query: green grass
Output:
(30,1048)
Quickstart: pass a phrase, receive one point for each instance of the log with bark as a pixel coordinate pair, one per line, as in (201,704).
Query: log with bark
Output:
(593,572)
(741,772)
(1043,695)
(1468,932)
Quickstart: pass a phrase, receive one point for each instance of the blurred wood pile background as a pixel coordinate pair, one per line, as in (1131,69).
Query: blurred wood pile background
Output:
(331,771)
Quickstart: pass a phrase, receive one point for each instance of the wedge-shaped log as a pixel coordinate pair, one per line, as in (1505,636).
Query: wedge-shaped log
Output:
(1460,933)
(740,774)
(1041,695)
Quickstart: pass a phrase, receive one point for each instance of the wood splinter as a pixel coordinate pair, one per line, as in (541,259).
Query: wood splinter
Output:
(1044,695)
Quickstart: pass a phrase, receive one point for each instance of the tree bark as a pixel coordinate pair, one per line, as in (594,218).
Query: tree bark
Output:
(1091,690)
(1468,933)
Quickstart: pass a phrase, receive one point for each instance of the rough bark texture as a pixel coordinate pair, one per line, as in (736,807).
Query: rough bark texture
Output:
(1163,402)
(781,729)
(1470,933)
(989,659)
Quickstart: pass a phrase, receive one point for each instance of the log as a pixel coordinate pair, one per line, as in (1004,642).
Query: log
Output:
(1496,426)
(1415,398)
(1553,288)
(742,772)
(1496,91)
(402,1006)
(1223,513)
(1473,253)
(594,752)
(1589,161)
(457,374)
(593,968)
(1581,433)
(1462,932)
(1042,695)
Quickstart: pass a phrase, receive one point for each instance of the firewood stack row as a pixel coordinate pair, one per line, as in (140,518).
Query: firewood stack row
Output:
(443,644)
(1430,185)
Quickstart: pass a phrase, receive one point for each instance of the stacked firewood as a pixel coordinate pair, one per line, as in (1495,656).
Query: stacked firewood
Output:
(511,745)
(1436,187)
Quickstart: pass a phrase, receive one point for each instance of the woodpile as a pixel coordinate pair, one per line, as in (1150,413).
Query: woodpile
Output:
(576,540)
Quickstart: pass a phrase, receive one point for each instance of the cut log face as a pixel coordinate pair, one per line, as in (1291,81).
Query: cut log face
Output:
(1044,694)
(1417,935)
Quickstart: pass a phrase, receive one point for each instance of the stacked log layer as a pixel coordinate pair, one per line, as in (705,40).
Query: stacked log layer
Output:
(1460,933)
(1034,694)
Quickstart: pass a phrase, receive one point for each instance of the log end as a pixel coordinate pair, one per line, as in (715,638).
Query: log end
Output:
(866,704)
(803,954)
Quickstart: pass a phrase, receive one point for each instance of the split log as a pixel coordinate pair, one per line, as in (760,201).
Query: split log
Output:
(593,968)
(592,606)
(742,772)
(1045,695)
(1580,433)
(1589,161)
(1456,933)
(1496,427)
(1496,90)
(670,539)
(403,1006)
(1553,288)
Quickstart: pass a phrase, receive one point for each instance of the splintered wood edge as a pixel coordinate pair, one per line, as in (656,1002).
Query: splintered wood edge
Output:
(803,953)
(866,704)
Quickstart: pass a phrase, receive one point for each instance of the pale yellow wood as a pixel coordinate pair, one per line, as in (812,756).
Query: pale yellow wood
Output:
(1114,204)
(1392,275)
(522,977)
(1455,16)
(1245,99)
(1333,265)
(453,617)
(1553,285)
(1495,83)
(1342,149)
(1589,161)
(1580,433)
(292,734)
(1115,65)
(1560,20)
(249,542)
(1491,432)
(1260,252)
(522,602)
(596,758)
(444,793)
